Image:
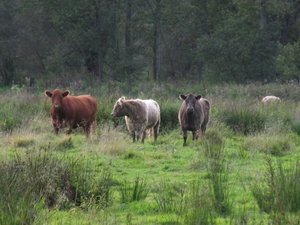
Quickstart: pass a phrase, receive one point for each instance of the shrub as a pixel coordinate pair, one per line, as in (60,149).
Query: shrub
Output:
(213,144)
(279,191)
(169,115)
(245,121)
(134,192)
(95,190)
(38,178)
(217,167)
(199,205)
(276,145)
(169,197)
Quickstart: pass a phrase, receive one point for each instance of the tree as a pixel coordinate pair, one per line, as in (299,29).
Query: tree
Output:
(87,29)
(8,43)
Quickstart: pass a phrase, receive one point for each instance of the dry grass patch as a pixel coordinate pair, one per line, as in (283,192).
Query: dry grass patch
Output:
(275,145)
(113,141)
(23,141)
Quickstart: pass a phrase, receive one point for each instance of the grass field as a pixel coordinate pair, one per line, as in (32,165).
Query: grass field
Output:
(245,170)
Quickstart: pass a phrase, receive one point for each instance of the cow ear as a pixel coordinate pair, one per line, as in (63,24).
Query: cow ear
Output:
(198,97)
(48,94)
(122,99)
(182,97)
(65,93)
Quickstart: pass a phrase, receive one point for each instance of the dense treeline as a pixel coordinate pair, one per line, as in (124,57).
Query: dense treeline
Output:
(122,42)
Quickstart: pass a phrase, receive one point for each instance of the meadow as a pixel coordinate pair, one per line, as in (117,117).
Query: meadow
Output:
(245,170)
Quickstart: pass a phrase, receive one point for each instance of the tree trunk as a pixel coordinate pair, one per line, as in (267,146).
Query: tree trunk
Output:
(262,15)
(157,43)
(199,71)
(159,47)
(128,52)
(154,64)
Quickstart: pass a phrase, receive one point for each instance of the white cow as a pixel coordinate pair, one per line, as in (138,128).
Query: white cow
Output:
(270,98)
(140,115)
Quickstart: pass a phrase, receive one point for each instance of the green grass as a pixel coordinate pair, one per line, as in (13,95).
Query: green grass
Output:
(223,178)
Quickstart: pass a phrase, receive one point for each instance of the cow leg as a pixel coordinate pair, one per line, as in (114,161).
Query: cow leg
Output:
(86,130)
(195,135)
(143,136)
(156,128)
(93,127)
(69,130)
(184,137)
(151,132)
(203,130)
(56,129)
(132,134)
(138,135)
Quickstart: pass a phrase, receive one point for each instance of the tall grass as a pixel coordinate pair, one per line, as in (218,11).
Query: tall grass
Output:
(170,197)
(16,110)
(244,120)
(39,178)
(30,180)
(169,115)
(136,191)
(199,205)
(276,145)
(278,192)
(217,167)
(38,171)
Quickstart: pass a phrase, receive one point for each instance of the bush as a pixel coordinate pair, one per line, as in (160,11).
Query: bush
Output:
(279,191)
(244,120)
(169,115)
(199,206)
(274,145)
(95,190)
(38,178)
(169,197)
(134,192)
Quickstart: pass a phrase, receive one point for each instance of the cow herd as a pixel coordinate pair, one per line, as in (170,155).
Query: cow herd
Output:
(140,115)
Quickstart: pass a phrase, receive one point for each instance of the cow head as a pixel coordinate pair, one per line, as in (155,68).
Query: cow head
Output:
(57,97)
(190,101)
(117,110)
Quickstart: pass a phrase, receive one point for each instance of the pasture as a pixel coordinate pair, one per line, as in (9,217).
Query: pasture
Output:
(245,170)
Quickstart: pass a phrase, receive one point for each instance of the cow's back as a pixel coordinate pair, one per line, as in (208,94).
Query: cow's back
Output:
(153,112)
(271,98)
(205,105)
(80,108)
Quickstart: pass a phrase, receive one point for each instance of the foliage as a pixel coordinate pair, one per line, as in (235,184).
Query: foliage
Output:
(218,172)
(32,181)
(169,197)
(136,191)
(169,115)
(95,190)
(244,120)
(276,145)
(199,206)
(183,41)
(279,191)
(224,177)
(288,61)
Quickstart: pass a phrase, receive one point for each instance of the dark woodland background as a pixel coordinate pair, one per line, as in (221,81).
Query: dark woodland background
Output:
(88,43)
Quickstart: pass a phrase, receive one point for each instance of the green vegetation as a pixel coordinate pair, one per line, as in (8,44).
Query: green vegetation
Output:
(117,45)
(245,170)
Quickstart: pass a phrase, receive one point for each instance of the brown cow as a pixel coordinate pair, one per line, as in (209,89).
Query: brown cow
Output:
(72,111)
(140,115)
(193,115)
